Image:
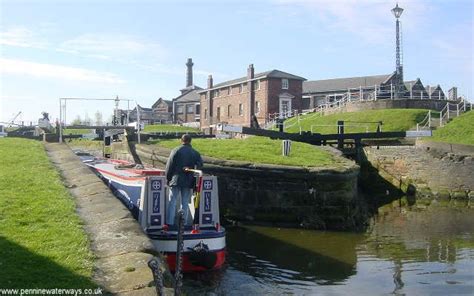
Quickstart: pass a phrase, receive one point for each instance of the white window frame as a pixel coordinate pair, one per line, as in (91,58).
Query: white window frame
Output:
(256,85)
(187,108)
(285,83)
(257,107)
(241,109)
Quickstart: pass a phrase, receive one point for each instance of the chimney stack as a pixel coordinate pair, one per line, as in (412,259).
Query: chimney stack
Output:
(209,81)
(250,72)
(189,72)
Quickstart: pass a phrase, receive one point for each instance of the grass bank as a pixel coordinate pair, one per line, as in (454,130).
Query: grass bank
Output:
(169,128)
(77,131)
(458,131)
(355,122)
(259,150)
(42,243)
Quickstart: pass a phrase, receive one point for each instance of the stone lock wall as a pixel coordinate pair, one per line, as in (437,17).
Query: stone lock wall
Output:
(425,174)
(320,198)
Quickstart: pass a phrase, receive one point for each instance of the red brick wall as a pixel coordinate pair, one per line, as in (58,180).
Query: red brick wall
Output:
(295,88)
(267,95)
(186,116)
(234,99)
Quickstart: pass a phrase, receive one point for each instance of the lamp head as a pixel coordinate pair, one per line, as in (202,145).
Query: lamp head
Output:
(397,11)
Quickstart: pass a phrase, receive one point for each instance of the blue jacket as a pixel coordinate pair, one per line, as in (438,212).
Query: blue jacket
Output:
(182,157)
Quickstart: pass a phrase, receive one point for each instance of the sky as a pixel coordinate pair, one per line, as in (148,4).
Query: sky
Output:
(137,50)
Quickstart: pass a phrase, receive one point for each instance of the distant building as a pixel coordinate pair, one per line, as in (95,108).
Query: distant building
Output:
(415,89)
(163,110)
(435,93)
(320,92)
(263,94)
(186,107)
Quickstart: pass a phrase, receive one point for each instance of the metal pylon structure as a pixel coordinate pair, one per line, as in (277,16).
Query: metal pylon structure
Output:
(397,12)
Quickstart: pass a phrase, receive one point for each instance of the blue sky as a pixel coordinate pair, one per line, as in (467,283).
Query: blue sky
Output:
(137,49)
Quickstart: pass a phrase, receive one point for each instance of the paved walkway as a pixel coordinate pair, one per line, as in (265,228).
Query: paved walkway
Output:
(121,248)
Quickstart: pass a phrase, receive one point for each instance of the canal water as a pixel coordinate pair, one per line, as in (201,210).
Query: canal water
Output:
(407,251)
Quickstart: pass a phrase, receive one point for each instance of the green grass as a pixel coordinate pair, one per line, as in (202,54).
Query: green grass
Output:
(42,242)
(77,131)
(85,143)
(393,120)
(158,128)
(458,131)
(259,150)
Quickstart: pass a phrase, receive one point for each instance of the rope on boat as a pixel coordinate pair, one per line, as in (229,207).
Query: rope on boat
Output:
(154,265)
(178,278)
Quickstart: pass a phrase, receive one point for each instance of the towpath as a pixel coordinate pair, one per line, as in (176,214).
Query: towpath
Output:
(121,248)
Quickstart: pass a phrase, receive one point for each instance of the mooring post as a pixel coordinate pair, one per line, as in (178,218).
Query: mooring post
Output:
(154,265)
(340,132)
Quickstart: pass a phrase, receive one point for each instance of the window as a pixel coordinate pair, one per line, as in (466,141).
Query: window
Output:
(198,109)
(241,109)
(284,83)
(218,113)
(228,110)
(229,90)
(241,88)
(180,109)
(256,85)
(205,113)
(189,109)
(257,107)
(216,93)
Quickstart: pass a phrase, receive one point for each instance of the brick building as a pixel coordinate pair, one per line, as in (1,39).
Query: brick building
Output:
(186,107)
(262,94)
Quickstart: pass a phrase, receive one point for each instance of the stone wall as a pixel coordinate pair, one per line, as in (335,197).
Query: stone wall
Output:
(321,198)
(425,174)
(391,104)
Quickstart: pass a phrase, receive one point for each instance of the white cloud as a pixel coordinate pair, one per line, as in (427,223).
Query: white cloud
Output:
(21,37)
(110,46)
(370,20)
(14,66)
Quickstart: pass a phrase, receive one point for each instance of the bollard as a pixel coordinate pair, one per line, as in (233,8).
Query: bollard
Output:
(340,131)
(286,147)
(154,265)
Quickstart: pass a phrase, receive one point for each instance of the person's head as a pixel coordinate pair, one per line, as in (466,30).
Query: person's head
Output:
(186,139)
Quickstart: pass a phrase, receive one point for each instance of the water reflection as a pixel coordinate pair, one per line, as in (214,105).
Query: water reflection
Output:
(406,252)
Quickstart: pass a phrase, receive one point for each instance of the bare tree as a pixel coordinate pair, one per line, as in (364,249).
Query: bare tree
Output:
(98,118)
(77,120)
(87,119)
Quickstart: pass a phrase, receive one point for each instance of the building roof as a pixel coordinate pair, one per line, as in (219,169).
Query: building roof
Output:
(189,88)
(144,109)
(190,96)
(338,84)
(268,74)
(169,103)
(411,83)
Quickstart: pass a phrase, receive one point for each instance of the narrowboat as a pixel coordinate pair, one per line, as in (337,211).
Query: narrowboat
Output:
(145,192)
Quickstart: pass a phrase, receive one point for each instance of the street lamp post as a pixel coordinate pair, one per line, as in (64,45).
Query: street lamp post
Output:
(397,12)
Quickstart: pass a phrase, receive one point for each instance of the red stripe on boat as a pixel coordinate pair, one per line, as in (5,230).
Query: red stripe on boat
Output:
(189,267)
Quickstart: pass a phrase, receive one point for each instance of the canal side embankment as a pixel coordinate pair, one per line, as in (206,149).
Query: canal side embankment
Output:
(436,171)
(320,198)
(121,249)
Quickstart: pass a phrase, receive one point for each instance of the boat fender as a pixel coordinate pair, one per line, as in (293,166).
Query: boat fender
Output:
(200,256)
